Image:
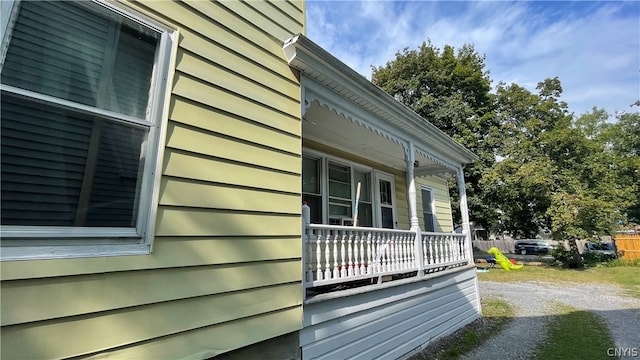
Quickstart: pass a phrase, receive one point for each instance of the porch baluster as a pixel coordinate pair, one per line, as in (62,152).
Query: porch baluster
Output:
(379,261)
(362,261)
(447,248)
(327,255)
(408,251)
(343,256)
(411,259)
(466,249)
(318,254)
(425,249)
(336,259)
(350,250)
(398,247)
(405,252)
(310,238)
(434,243)
(371,248)
(393,252)
(430,250)
(387,253)
(454,245)
(402,260)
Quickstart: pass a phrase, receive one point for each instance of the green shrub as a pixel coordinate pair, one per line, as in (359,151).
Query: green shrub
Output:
(567,258)
(623,262)
(592,259)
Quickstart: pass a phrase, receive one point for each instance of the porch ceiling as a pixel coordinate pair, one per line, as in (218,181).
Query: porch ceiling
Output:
(344,110)
(324,125)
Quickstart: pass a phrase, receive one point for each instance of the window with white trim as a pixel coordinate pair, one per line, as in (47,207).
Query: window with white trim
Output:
(427,209)
(386,195)
(83,86)
(329,187)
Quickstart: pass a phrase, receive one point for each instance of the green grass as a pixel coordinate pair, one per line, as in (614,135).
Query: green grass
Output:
(576,334)
(573,334)
(627,277)
(496,315)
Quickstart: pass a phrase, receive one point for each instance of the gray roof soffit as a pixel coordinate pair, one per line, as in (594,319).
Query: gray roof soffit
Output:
(317,63)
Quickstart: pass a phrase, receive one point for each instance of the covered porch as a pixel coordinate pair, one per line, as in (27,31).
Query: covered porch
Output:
(348,117)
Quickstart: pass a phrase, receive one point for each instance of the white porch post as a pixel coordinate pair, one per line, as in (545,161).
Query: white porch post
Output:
(466,228)
(464,211)
(413,213)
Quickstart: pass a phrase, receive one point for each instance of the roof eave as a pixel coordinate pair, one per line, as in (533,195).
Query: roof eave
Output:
(317,63)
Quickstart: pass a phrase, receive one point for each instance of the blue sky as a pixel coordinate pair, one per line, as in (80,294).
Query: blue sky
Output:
(592,46)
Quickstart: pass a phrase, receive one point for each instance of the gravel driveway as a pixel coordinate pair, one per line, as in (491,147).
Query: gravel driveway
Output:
(534,305)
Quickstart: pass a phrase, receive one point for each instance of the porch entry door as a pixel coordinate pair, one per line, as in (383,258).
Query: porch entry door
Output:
(386,195)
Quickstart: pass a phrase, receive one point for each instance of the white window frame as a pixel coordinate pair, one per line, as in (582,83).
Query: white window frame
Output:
(431,206)
(355,166)
(46,242)
(377,176)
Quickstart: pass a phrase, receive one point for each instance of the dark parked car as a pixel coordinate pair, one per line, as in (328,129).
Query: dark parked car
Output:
(603,249)
(533,247)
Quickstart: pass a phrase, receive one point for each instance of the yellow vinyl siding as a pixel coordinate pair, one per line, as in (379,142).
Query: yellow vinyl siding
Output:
(287,6)
(440,188)
(206,342)
(247,88)
(181,192)
(217,53)
(199,222)
(120,328)
(205,93)
(198,115)
(209,143)
(253,11)
(225,270)
(169,252)
(402,202)
(216,31)
(237,28)
(211,169)
(103,292)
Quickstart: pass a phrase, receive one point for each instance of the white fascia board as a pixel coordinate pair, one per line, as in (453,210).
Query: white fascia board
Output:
(318,64)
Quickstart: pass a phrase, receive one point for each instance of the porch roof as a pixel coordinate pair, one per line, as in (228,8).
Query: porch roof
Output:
(355,97)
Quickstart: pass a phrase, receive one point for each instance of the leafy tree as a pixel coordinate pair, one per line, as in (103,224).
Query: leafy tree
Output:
(559,173)
(521,185)
(622,139)
(539,168)
(452,90)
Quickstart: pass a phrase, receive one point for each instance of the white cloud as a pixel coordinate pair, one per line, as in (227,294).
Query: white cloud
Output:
(593,47)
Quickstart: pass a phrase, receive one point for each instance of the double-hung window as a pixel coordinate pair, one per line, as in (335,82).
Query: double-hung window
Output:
(427,209)
(84,88)
(330,189)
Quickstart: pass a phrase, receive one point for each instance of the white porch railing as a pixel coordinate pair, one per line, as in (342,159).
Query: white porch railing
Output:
(339,254)
(442,249)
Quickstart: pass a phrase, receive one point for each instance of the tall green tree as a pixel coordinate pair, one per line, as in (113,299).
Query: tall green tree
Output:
(560,173)
(522,183)
(539,168)
(451,89)
(622,139)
